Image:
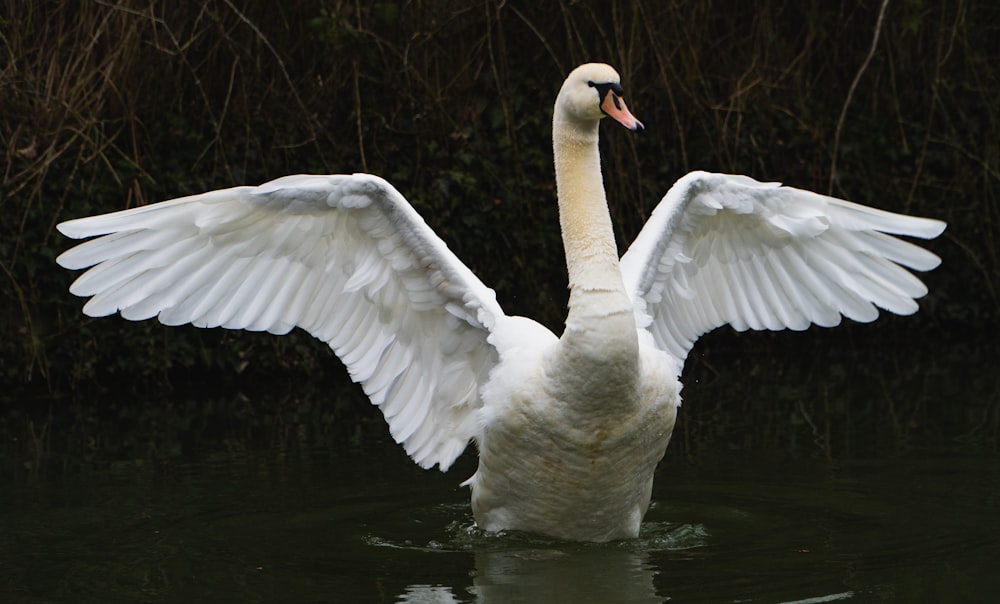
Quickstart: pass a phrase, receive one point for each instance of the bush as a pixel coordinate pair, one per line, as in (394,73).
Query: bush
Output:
(109,105)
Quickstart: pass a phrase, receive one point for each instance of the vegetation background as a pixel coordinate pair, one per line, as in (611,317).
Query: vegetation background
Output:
(108,104)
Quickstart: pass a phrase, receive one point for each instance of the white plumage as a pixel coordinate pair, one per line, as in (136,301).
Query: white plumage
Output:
(724,249)
(569,429)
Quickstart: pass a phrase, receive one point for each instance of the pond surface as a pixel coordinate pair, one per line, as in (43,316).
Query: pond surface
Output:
(188,500)
(315,527)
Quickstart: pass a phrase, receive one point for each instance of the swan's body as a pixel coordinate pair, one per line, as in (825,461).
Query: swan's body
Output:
(569,429)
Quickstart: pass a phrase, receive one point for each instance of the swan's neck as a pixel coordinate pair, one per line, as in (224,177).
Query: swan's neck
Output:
(597,358)
(595,280)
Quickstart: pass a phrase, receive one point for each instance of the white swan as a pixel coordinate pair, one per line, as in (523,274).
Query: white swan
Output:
(570,428)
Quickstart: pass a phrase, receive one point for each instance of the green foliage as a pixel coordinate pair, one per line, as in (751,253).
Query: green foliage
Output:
(109,105)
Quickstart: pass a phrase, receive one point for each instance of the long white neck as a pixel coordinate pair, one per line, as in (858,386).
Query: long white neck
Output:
(595,281)
(597,357)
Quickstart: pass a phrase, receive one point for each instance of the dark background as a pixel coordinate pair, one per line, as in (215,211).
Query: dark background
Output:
(112,104)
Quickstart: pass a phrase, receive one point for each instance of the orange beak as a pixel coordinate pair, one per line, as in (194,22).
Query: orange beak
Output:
(614,107)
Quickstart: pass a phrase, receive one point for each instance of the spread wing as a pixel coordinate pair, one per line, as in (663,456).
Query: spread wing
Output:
(723,249)
(344,257)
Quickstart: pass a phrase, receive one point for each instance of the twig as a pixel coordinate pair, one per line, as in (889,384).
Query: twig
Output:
(850,94)
(541,38)
(277,57)
(358,121)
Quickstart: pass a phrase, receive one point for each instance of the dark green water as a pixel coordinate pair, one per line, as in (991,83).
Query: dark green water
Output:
(262,527)
(188,500)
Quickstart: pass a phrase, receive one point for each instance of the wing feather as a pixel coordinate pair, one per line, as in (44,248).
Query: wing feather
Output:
(344,257)
(722,249)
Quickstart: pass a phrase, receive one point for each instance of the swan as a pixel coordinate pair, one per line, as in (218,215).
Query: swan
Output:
(569,428)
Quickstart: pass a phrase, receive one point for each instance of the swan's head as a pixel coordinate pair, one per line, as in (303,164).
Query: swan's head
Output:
(593,91)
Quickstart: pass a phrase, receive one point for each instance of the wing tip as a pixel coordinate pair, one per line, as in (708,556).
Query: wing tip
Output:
(934,228)
(65,260)
(75,228)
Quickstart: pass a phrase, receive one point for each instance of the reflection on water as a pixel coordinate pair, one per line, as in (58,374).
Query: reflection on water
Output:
(511,567)
(217,501)
(552,575)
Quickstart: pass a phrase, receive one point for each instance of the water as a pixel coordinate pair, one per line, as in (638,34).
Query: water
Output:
(323,527)
(260,527)
(302,498)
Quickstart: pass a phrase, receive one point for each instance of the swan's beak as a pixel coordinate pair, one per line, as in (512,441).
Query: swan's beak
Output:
(614,107)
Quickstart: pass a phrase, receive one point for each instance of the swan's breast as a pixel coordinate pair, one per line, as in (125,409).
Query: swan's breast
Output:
(572,468)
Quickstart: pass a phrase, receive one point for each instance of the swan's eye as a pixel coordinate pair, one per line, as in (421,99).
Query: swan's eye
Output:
(605,88)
